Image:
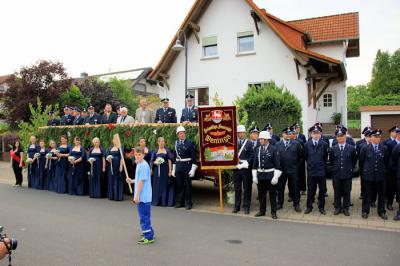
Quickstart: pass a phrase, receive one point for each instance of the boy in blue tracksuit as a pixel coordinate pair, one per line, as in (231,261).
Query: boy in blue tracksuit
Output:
(143,196)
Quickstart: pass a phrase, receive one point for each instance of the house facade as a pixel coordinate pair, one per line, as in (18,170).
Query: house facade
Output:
(233,44)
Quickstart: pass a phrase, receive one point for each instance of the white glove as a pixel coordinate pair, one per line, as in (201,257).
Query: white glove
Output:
(254,173)
(192,171)
(245,164)
(173,170)
(275,179)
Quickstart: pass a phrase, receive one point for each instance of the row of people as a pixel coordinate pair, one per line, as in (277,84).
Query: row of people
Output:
(165,114)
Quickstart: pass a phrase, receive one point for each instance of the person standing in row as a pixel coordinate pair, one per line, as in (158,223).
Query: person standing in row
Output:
(301,138)
(316,154)
(51,165)
(115,174)
(254,132)
(41,169)
(395,167)
(52,120)
(242,177)
(390,184)
(143,114)
(109,117)
(93,118)
(78,119)
(190,113)
(97,169)
(344,158)
(17,163)
(290,152)
(373,160)
(359,144)
(165,114)
(266,172)
(62,167)
(32,160)
(124,118)
(147,152)
(67,118)
(161,165)
(274,138)
(184,169)
(77,159)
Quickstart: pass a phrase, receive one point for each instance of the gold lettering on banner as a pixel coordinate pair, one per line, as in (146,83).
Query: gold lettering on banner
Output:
(212,140)
(216,127)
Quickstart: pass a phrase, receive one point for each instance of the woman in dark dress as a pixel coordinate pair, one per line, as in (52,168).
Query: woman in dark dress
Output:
(115,175)
(161,165)
(147,153)
(97,168)
(42,173)
(62,165)
(77,157)
(32,161)
(51,165)
(17,162)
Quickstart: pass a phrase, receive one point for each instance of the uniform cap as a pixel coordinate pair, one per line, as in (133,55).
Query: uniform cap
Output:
(241,129)
(180,129)
(164,100)
(264,135)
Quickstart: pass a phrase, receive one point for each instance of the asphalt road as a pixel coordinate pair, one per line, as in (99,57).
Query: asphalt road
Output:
(55,229)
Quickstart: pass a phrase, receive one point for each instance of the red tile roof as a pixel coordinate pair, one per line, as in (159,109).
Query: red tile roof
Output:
(328,28)
(5,78)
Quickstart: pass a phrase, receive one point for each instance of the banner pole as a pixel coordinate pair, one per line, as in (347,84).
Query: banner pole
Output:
(221,206)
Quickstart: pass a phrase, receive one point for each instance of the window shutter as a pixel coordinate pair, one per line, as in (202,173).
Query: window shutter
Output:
(245,34)
(209,41)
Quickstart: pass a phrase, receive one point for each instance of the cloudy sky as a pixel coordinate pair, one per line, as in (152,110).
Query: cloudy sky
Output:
(104,35)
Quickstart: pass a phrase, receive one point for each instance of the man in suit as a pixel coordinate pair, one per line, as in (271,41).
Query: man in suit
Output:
(52,120)
(165,114)
(242,175)
(290,152)
(373,160)
(143,114)
(323,137)
(274,138)
(359,144)
(395,167)
(301,138)
(254,132)
(124,118)
(344,158)
(67,118)
(78,120)
(316,154)
(93,118)
(190,113)
(349,139)
(390,185)
(109,117)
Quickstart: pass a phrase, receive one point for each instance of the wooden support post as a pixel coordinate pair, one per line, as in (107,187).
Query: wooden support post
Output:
(221,205)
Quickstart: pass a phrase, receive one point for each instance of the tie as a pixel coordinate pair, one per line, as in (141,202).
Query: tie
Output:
(376,148)
(315,143)
(341,147)
(286,144)
(181,142)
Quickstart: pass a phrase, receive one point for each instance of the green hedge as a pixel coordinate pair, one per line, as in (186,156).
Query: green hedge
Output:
(129,134)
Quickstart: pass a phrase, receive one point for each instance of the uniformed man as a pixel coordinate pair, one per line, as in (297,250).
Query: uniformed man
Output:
(67,118)
(93,118)
(52,120)
(298,133)
(290,153)
(373,160)
(184,169)
(316,154)
(274,138)
(78,119)
(190,113)
(395,166)
(242,175)
(301,138)
(254,132)
(165,114)
(323,137)
(390,184)
(349,139)
(343,157)
(84,114)
(266,172)
(359,144)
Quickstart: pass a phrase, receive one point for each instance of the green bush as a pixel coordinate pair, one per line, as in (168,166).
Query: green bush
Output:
(74,97)
(268,103)
(124,93)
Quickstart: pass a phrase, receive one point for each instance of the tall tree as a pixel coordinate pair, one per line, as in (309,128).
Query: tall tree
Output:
(385,74)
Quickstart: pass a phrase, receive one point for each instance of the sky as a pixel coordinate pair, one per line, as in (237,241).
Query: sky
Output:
(102,36)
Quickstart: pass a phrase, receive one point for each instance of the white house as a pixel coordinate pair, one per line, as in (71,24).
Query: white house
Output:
(233,44)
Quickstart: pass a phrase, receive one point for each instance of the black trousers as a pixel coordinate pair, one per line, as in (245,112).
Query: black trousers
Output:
(293,185)
(390,187)
(371,187)
(263,187)
(302,176)
(312,183)
(183,188)
(242,181)
(342,189)
(17,172)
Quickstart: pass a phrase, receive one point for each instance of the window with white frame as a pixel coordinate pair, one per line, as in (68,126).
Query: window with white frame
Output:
(328,100)
(210,46)
(245,42)
(201,96)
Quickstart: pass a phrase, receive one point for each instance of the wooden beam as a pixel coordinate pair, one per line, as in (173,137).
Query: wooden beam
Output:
(256,19)
(297,68)
(323,75)
(328,82)
(195,29)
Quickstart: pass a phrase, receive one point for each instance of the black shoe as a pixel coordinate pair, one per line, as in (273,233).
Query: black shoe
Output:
(289,199)
(337,212)
(389,207)
(279,207)
(346,212)
(258,214)
(383,216)
(326,195)
(364,215)
(397,217)
(179,206)
(273,216)
(322,211)
(235,211)
(189,207)
(247,211)
(351,204)
(297,208)
(308,210)
(373,205)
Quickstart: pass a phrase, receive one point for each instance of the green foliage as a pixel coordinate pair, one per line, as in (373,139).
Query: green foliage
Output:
(124,93)
(129,135)
(4,127)
(39,118)
(386,74)
(74,97)
(354,124)
(217,102)
(269,103)
(336,118)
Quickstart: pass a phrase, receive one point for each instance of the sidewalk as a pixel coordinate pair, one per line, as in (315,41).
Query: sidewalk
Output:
(206,199)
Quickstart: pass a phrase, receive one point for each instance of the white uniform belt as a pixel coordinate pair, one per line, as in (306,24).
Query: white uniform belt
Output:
(265,170)
(183,160)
